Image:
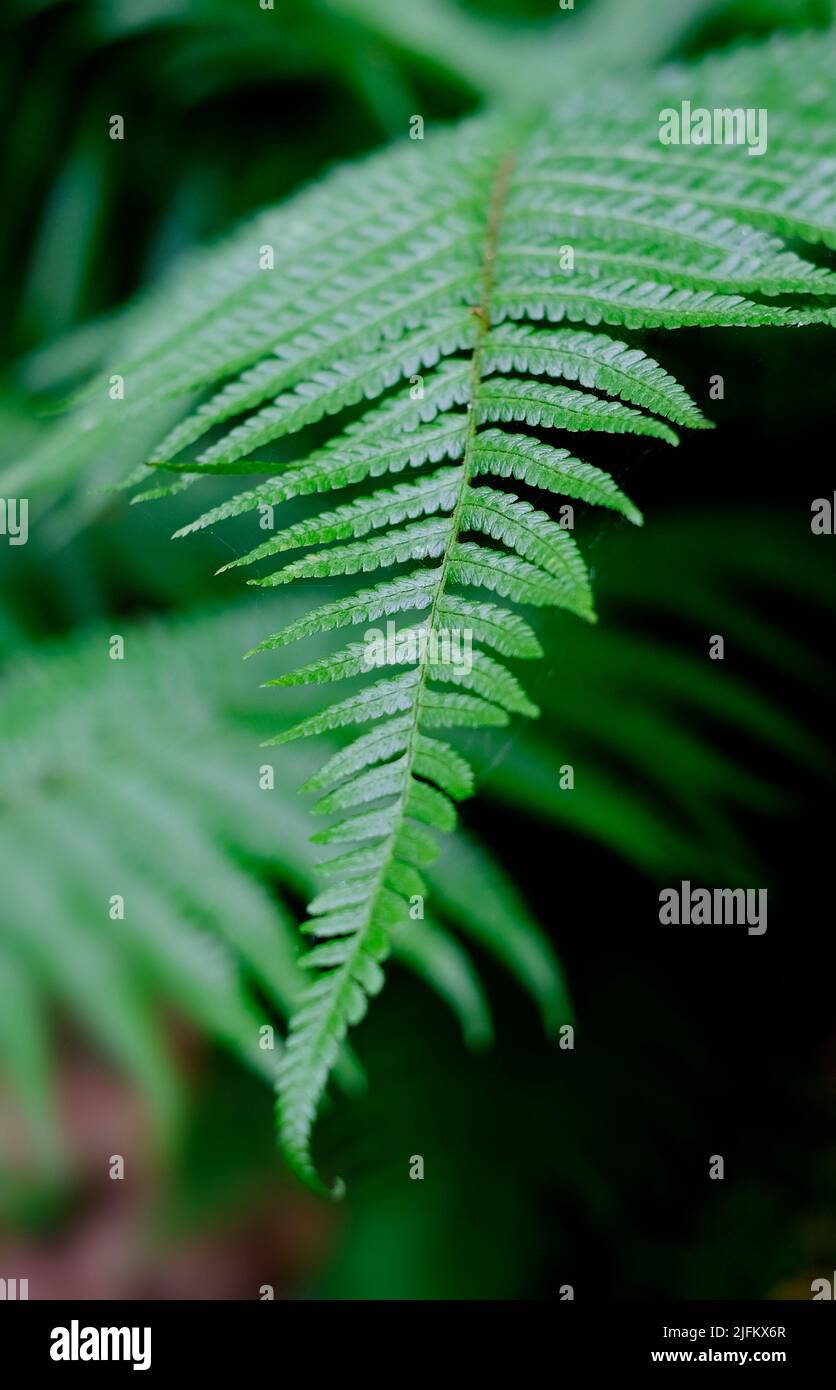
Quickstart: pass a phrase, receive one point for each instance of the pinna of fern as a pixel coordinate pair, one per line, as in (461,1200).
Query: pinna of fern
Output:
(435,283)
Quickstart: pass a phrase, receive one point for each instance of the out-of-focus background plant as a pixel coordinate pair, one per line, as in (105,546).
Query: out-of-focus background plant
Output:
(540,1169)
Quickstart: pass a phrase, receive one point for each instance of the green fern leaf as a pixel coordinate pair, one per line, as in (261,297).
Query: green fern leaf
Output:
(595,361)
(434,492)
(155,803)
(507,455)
(537,403)
(325,393)
(409,591)
(434,266)
(435,955)
(420,541)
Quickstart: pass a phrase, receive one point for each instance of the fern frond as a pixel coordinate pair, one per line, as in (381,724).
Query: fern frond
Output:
(373,702)
(737,270)
(516,579)
(538,403)
(447,709)
(530,533)
(418,285)
(409,591)
(631,303)
(595,361)
(435,955)
(161,804)
(324,392)
(506,632)
(421,540)
(337,468)
(433,492)
(507,455)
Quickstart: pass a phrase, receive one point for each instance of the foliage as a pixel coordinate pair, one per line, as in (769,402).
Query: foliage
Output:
(475,237)
(196,82)
(145,775)
(435,264)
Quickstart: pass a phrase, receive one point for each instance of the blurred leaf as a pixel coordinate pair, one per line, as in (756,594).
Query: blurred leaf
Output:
(141,778)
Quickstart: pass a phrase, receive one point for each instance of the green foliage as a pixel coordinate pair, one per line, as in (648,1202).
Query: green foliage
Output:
(144,775)
(198,73)
(419,281)
(656,787)
(666,755)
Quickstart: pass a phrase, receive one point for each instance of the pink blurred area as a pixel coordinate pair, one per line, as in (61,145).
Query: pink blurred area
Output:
(111,1241)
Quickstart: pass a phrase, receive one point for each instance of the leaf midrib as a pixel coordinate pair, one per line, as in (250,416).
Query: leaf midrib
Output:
(345,971)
